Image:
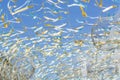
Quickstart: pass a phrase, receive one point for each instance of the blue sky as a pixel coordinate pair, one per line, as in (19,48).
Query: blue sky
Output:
(72,19)
(74,12)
